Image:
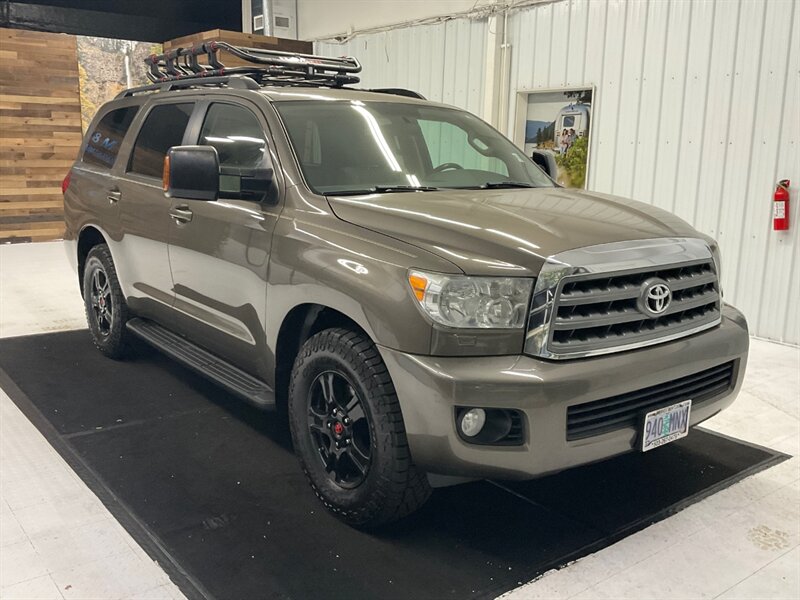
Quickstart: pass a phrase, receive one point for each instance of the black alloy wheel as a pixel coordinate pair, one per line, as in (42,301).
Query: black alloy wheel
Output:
(340,429)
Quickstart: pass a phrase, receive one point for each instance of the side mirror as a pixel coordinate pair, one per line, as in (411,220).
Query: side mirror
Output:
(245,183)
(192,173)
(546,160)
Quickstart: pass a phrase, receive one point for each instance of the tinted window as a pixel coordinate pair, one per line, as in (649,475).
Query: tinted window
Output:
(106,138)
(236,134)
(163,128)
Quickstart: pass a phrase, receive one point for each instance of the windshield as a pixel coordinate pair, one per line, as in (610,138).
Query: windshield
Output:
(357,147)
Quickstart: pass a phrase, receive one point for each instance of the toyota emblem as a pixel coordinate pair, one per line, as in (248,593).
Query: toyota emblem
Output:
(655,297)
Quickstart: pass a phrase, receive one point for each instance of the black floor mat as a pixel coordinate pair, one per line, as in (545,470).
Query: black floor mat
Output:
(210,488)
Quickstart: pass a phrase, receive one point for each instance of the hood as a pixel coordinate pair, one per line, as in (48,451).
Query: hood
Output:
(511,232)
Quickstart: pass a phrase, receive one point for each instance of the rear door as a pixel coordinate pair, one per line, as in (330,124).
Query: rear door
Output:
(219,251)
(143,259)
(93,176)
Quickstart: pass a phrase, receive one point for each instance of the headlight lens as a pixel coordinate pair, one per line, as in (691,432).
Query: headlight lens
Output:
(472,302)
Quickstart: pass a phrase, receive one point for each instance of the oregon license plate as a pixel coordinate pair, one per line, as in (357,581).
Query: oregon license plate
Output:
(666,425)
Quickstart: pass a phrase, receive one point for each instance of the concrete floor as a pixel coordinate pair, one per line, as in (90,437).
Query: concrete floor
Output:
(58,541)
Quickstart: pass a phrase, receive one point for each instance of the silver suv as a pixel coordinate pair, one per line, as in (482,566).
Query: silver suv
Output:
(419,297)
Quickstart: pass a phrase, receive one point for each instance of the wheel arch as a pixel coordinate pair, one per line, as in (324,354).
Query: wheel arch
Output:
(89,237)
(298,325)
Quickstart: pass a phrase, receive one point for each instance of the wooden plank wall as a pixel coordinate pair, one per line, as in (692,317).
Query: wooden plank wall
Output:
(40,131)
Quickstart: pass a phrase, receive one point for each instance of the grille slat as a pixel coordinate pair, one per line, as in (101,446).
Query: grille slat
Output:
(601,311)
(625,410)
(646,402)
(701,378)
(592,297)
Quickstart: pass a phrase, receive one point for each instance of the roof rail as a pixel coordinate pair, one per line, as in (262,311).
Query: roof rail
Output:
(272,67)
(232,81)
(399,92)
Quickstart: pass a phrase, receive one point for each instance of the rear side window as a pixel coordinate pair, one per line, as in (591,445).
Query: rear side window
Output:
(163,128)
(105,139)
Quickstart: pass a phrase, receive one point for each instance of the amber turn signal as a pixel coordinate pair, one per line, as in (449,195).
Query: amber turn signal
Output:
(165,174)
(418,285)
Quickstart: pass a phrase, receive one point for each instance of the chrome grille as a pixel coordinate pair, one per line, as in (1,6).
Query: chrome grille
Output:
(597,300)
(599,312)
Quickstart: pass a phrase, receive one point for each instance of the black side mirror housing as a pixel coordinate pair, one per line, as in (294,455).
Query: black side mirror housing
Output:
(245,183)
(546,160)
(192,173)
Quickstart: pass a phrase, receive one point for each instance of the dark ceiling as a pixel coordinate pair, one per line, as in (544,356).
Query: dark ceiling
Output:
(143,20)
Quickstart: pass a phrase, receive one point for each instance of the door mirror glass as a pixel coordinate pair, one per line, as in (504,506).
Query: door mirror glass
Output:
(546,160)
(192,173)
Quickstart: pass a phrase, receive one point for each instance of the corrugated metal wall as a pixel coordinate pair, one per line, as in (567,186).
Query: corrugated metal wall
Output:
(443,61)
(697,110)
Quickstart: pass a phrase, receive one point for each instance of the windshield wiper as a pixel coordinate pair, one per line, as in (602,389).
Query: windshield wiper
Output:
(383,189)
(492,185)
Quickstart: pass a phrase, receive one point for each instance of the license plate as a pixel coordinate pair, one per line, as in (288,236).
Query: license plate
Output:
(666,425)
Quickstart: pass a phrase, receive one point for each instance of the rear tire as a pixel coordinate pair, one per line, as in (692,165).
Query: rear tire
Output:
(106,311)
(348,431)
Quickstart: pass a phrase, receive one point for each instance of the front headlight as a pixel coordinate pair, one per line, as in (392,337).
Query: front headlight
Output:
(472,302)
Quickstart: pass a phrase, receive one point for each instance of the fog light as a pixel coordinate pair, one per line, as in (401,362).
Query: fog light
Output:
(472,421)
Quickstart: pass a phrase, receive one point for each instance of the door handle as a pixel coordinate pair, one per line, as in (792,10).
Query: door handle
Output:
(113,196)
(181,214)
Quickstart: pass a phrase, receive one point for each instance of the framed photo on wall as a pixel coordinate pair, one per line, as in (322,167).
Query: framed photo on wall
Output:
(560,122)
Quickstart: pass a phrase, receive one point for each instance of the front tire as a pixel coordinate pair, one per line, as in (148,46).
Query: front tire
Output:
(106,311)
(348,431)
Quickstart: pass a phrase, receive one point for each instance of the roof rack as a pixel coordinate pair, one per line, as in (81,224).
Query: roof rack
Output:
(180,68)
(272,67)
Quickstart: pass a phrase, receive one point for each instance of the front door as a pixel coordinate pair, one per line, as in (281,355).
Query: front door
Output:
(219,251)
(142,256)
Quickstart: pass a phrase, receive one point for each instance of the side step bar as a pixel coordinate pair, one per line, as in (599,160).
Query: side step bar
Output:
(205,363)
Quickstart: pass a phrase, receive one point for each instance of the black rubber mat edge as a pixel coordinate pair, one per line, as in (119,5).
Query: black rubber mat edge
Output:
(149,542)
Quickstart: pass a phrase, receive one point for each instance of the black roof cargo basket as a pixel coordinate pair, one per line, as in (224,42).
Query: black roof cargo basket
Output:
(270,67)
(181,68)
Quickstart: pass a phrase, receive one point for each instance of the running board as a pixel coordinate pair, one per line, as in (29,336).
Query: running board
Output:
(205,363)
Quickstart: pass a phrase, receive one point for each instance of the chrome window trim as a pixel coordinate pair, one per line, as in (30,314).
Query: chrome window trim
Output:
(606,258)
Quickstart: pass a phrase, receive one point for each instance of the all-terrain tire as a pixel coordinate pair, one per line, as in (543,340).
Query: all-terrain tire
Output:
(106,311)
(393,487)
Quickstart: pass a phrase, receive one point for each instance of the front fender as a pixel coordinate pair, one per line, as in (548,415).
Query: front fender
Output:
(316,258)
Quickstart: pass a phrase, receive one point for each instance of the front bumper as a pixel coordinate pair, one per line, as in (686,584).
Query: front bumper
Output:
(430,387)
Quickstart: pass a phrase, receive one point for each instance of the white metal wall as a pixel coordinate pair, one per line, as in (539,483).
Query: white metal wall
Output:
(697,110)
(443,61)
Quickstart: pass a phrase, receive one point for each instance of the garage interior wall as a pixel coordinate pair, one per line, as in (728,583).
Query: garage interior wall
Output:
(442,61)
(328,18)
(695,112)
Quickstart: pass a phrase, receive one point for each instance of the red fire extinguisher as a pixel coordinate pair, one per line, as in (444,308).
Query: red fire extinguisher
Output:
(780,206)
